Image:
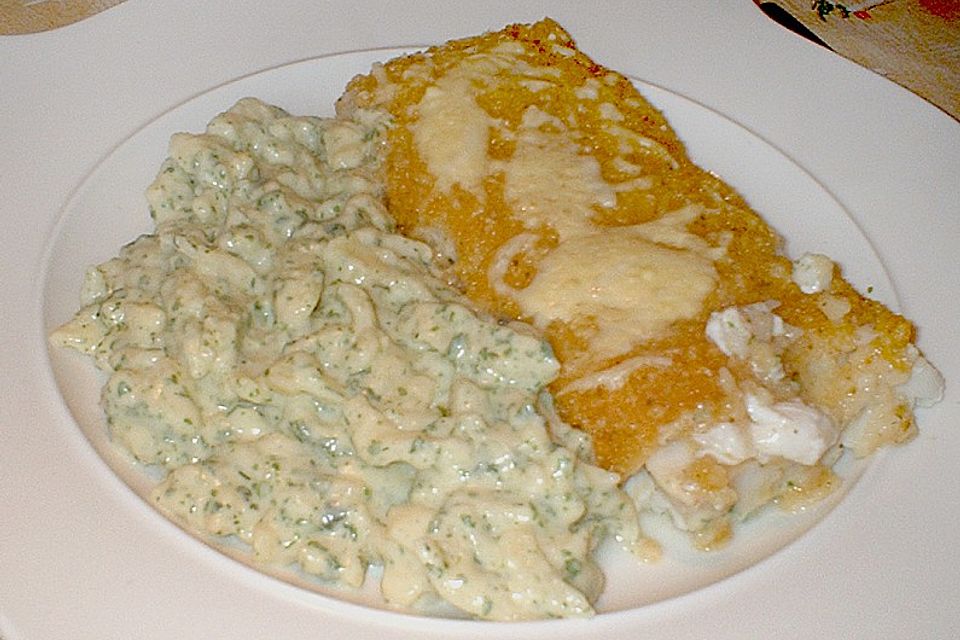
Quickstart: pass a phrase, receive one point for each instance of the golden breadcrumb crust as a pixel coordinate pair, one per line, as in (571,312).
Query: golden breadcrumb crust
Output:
(627,422)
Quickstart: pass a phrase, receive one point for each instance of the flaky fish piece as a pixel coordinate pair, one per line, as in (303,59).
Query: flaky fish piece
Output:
(700,358)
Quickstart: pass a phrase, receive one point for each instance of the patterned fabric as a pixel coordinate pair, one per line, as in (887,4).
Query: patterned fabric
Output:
(915,43)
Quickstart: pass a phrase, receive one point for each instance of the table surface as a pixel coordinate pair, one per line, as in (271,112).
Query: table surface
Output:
(915,43)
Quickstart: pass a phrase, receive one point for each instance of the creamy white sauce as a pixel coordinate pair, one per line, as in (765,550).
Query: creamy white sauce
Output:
(312,388)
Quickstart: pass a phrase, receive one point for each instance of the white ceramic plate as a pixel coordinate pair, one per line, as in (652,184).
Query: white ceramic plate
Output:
(108,211)
(83,556)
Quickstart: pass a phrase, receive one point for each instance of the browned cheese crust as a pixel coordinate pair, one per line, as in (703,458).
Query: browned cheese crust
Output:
(652,403)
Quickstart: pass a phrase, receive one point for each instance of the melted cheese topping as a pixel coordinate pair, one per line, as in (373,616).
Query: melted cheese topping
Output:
(452,134)
(632,283)
(452,131)
(550,182)
(631,288)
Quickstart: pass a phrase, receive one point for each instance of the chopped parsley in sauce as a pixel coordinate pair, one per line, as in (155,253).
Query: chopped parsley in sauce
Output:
(312,387)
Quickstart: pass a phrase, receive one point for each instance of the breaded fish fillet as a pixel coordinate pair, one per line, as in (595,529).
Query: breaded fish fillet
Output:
(693,351)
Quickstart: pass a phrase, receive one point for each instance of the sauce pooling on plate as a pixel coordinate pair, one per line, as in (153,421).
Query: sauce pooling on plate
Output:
(309,384)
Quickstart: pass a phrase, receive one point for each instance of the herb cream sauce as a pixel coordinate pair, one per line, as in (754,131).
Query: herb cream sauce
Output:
(311,386)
